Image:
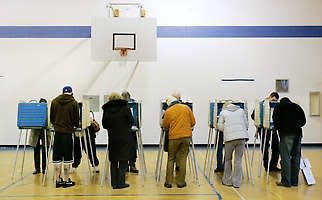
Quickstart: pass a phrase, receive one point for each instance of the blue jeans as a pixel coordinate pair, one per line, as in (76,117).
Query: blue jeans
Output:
(290,150)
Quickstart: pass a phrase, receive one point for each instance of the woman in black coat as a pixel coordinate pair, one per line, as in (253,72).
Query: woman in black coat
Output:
(117,119)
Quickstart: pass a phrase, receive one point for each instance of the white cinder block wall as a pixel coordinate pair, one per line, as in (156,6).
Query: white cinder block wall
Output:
(35,68)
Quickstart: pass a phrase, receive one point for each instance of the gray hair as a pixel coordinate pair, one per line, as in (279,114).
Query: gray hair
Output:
(114,96)
(126,95)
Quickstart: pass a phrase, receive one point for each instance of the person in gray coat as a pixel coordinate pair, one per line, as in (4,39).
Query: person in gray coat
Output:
(233,122)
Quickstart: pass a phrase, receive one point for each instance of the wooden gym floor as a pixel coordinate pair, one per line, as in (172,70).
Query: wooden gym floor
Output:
(29,186)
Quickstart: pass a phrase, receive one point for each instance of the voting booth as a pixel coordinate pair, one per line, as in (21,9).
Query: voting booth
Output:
(30,115)
(215,107)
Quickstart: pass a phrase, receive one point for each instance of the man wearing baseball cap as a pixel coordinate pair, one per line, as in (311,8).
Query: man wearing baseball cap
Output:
(64,115)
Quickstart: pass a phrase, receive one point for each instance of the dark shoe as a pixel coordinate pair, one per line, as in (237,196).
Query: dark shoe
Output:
(235,186)
(121,186)
(167,185)
(182,186)
(68,183)
(59,183)
(282,184)
(36,172)
(43,171)
(96,170)
(294,185)
(219,170)
(125,185)
(133,169)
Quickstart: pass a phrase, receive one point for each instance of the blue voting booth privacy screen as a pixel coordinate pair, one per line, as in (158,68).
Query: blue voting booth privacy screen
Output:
(32,115)
(134,106)
(219,108)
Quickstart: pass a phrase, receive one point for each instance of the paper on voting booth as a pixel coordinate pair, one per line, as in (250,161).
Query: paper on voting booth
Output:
(305,166)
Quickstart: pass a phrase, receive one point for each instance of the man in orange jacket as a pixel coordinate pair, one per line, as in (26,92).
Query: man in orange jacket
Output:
(179,120)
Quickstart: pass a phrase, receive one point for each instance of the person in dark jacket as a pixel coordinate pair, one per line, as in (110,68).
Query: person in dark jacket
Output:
(64,115)
(117,119)
(289,118)
(273,97)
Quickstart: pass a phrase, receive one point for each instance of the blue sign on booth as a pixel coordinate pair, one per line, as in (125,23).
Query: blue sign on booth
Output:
(32,115)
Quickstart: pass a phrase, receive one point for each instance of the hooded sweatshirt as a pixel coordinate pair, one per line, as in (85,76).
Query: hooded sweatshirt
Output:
(233,122)
(64,113)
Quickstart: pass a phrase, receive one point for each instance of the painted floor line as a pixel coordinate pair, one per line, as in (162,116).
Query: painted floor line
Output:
(211,185)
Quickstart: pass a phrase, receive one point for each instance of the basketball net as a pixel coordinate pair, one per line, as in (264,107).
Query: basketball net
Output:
(123,52)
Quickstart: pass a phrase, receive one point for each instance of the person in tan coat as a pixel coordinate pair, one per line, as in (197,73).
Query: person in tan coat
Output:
(179,120)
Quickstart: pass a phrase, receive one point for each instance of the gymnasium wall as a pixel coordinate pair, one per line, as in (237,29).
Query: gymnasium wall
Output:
(40,67)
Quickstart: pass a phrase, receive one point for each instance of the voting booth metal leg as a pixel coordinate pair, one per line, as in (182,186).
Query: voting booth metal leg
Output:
(50,148)
(160,157)
(194,162)
(16,157)
(206,164)
(211,154)
(24,153)
(91,148)
(141,154)
(247,163)
(262,150)
(83,151)
(211,173)
(253,151)
(46,146)
(269,152)
(87,152)
(106,171)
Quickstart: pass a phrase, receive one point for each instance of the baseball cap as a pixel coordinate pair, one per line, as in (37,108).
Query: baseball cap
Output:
(67,89)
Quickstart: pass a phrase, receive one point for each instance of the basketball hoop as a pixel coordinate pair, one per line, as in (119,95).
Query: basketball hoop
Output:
(123,52)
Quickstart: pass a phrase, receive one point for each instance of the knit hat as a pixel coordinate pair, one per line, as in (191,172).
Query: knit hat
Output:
(67,89)
(170,99)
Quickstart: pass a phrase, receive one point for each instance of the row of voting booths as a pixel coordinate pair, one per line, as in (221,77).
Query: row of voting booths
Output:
(32,115)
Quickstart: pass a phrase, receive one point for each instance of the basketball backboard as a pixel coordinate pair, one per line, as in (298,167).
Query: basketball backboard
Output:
(137,35)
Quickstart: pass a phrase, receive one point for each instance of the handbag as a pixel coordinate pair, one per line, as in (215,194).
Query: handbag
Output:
(94,124)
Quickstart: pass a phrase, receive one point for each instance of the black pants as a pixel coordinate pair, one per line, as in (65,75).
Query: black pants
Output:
(274,147)
(78,153)
(43,153)
(133,149)
(118,169)
(220,160)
